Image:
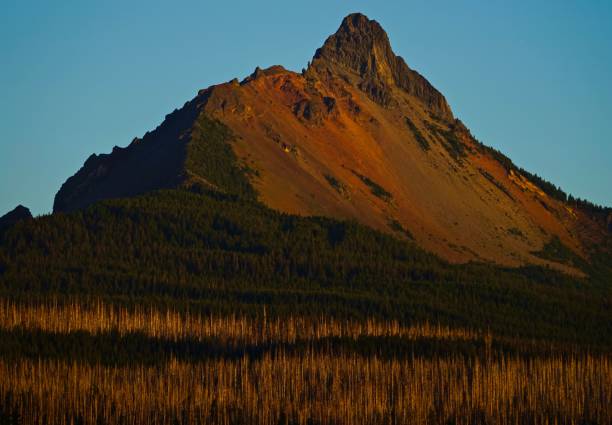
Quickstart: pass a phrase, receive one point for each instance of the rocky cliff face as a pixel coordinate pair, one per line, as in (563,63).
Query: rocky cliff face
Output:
(358,135)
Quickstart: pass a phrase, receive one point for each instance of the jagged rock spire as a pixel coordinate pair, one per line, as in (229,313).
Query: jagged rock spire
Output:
(361,46)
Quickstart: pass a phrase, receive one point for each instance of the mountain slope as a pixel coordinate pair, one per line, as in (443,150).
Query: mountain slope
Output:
(358,135)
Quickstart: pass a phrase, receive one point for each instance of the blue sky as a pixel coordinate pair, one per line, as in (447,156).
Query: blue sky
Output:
(79,77)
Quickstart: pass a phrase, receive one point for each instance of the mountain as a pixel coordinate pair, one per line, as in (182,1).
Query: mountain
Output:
(17,214)
(357,135)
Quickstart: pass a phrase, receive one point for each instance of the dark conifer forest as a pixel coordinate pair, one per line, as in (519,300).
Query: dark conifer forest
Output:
(219,253)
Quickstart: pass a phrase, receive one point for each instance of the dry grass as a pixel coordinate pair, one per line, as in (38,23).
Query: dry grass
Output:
(312,386)
(99,318)
(322,388)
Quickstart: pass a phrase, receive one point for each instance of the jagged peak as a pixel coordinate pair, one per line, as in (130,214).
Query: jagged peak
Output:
(258,73)
(357,26)
(361,46)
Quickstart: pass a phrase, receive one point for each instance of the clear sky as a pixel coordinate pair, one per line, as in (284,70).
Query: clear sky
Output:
(78,77)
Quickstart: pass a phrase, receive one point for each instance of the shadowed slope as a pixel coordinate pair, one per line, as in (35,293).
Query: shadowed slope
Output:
(153,162)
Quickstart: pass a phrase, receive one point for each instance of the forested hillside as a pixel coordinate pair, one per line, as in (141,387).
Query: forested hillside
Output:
(216,252)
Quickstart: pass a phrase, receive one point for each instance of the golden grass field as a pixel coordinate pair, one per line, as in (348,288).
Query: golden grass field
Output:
(326,386)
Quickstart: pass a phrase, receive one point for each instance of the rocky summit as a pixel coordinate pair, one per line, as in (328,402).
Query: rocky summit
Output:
(360,50)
